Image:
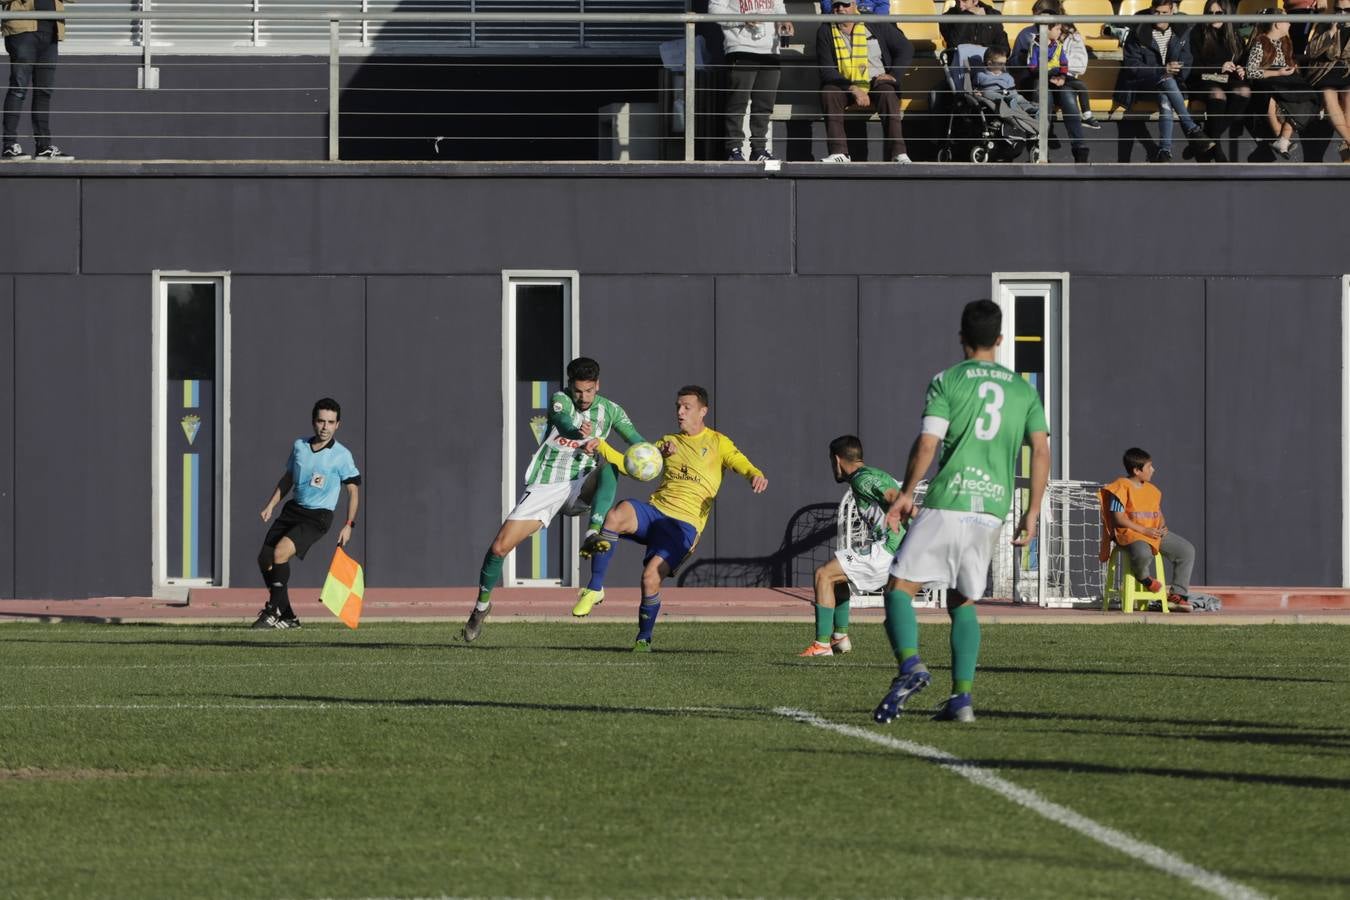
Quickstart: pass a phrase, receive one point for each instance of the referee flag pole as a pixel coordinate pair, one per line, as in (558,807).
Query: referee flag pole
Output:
(343,589)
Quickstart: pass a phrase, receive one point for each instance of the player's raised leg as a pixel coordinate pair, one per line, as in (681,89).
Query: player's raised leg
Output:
(619,521)
(509,536)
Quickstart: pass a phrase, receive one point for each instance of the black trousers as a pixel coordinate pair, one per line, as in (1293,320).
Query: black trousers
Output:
(32,64)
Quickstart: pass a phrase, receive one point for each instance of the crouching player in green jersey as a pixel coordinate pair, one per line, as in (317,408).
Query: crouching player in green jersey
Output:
(978,411)
(562,477)
(864,567)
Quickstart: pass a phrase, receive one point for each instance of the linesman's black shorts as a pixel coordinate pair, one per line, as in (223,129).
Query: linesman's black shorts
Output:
(303,526)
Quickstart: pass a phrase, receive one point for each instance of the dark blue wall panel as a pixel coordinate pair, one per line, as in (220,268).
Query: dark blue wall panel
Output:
(41,209)
(436,226)
(6,437)
(82,436)
(1272,430)
(434,427)
(1125,328)
(787,384)
(295,340)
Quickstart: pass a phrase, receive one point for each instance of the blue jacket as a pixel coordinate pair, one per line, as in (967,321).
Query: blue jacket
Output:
(1142,67)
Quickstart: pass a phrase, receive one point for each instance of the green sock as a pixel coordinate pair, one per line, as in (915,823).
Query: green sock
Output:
(840,617)
(606,485)
(902,626)
(824,619)
(965,646)
(487,578)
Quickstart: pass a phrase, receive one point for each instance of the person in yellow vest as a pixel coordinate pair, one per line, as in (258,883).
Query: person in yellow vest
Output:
(32,48)
(1132,512)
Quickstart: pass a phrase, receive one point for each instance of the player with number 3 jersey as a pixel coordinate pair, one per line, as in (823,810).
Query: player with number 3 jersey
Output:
(979,412)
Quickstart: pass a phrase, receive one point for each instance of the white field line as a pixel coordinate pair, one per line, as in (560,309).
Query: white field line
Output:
(1146,853)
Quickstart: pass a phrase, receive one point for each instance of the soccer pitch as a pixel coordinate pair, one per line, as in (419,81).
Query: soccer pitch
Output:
(547,760)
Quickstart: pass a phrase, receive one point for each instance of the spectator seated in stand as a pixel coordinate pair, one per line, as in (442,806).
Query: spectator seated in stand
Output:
(860,69)
(1157,59)
(1327,69)
(1027,58)
(1278,89)
(1218,77)
(971,28)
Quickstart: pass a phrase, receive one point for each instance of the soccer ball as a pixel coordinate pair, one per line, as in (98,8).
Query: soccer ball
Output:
(643,462)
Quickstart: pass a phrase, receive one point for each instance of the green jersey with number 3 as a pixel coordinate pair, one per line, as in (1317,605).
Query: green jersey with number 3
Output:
(869,488)
(989,409)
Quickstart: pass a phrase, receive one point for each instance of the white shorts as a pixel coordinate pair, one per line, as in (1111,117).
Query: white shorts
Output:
(946,548)
(867,568)
(544,501)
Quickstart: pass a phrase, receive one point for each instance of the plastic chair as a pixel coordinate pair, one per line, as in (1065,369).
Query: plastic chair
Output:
(925,36)
(1121,584)
(1095,14)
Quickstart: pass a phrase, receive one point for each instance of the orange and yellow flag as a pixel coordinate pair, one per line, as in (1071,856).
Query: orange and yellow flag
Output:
(344,588)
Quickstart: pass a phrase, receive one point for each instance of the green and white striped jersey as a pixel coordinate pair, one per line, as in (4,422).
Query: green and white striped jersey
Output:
(560,457)
(869,486)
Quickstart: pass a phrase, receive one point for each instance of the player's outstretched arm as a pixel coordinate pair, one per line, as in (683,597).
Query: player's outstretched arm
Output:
(284,485)
(353,504)
(738,462)
(609,454)
(624,426)
(1040,477)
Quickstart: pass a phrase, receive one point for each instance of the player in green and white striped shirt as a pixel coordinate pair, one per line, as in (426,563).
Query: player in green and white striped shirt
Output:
(563,476)
(865,567)
(979,412)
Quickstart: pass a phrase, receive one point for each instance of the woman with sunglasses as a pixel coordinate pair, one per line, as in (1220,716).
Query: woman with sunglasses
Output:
(1218,78)
(1328,70)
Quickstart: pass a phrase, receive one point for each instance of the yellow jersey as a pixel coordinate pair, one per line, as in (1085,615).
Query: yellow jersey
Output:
(692,476)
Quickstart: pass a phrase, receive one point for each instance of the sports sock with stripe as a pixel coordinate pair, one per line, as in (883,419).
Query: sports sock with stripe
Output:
(607,484)
(824,622)
(647,613)
(902,626)
(965,646)
(279,598)
(600,562)
(841,617)
(487,577)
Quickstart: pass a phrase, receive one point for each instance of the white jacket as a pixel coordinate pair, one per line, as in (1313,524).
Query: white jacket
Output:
(1075,54)
(746,37)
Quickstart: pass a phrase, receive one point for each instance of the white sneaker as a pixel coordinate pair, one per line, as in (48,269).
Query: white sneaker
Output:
(903,158)
(840,643)
(837,157)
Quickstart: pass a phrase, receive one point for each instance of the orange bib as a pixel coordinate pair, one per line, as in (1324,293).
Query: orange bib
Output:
(1142,502)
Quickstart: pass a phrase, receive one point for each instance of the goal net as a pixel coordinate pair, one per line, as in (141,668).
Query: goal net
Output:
(1059,569)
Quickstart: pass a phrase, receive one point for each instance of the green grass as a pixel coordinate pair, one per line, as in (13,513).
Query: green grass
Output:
(176,761)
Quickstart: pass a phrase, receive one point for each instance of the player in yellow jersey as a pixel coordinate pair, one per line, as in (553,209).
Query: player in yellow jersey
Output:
(671,520)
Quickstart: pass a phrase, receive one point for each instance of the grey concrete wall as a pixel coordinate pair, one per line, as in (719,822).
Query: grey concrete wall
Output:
(384,291)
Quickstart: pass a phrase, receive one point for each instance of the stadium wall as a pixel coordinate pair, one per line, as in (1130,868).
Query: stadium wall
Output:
(811,304)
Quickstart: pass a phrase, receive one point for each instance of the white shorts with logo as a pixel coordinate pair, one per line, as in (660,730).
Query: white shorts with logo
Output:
(544,501)
(866,568)
(947,548)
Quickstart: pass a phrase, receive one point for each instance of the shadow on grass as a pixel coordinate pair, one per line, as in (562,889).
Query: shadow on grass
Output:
(702,712)
(628,650)
(1155,720)
(1146,673)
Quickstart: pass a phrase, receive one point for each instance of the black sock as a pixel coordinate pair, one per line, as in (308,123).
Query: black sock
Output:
(279,599)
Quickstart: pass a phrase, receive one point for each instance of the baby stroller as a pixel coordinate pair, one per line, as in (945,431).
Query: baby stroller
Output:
(978,129)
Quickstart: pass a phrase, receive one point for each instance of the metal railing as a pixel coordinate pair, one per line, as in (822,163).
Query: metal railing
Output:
(346,31)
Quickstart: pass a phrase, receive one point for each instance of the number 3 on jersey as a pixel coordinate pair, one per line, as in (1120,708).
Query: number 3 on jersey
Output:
(987,423)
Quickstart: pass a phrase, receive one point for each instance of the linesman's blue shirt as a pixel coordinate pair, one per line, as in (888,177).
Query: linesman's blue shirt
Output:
(319,475)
